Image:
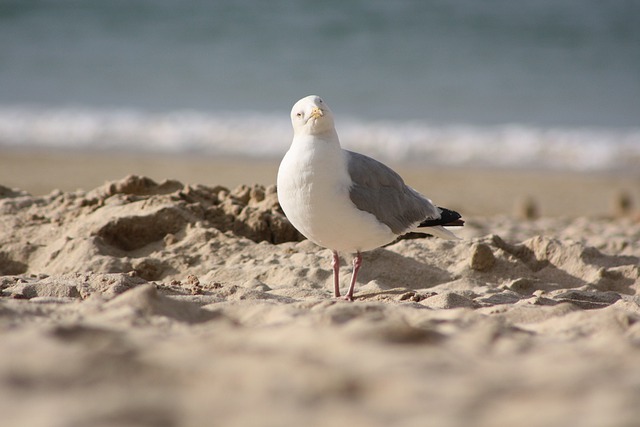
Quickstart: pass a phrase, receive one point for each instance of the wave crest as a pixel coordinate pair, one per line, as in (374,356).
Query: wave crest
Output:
(268,135)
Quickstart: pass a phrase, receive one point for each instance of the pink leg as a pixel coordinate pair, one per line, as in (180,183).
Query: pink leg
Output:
(357,262)
(336,274)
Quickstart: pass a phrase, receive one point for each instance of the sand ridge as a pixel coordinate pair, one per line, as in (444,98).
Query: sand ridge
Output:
(144,303)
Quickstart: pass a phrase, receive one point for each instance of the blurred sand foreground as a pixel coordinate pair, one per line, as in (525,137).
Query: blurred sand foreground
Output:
(142,303)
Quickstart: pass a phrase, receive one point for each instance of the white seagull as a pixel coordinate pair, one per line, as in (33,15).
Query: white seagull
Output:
(345,201)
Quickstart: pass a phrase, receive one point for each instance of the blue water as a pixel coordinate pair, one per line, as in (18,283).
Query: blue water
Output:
(82,72)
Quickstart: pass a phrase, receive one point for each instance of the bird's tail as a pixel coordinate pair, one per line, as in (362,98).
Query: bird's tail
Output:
(435,226)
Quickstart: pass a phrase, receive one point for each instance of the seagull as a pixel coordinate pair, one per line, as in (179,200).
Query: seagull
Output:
(345,201)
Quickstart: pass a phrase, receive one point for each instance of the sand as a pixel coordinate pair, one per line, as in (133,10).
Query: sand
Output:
(146,302)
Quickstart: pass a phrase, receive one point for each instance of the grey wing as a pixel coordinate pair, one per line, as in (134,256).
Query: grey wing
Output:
(379,190)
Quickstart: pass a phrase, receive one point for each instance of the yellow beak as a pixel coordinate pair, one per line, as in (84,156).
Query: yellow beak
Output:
(316,113)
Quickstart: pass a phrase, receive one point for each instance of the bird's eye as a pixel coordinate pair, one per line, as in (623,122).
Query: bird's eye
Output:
(299,115)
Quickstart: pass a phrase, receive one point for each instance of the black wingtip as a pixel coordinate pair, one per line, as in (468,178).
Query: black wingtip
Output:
(447,217)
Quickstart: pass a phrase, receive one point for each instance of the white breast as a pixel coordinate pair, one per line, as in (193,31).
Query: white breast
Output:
(313,190)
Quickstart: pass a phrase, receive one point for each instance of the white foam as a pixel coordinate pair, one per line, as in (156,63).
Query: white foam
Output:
(269,135)
(504,146)
(141,131)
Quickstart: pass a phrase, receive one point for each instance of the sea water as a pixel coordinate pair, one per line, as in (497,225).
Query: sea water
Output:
(544,84)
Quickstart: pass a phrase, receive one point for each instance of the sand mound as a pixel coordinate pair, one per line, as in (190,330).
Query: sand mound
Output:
(116,227)
(144,303)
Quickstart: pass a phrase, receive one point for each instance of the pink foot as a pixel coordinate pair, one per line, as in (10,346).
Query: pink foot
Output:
(357,262)
(335,263)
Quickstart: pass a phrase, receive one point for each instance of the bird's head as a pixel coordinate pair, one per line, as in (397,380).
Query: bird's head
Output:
(311,116)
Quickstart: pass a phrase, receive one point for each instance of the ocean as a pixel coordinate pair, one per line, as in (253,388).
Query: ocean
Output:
(491,83)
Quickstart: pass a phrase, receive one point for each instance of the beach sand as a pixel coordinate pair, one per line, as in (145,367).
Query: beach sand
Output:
(174,301)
